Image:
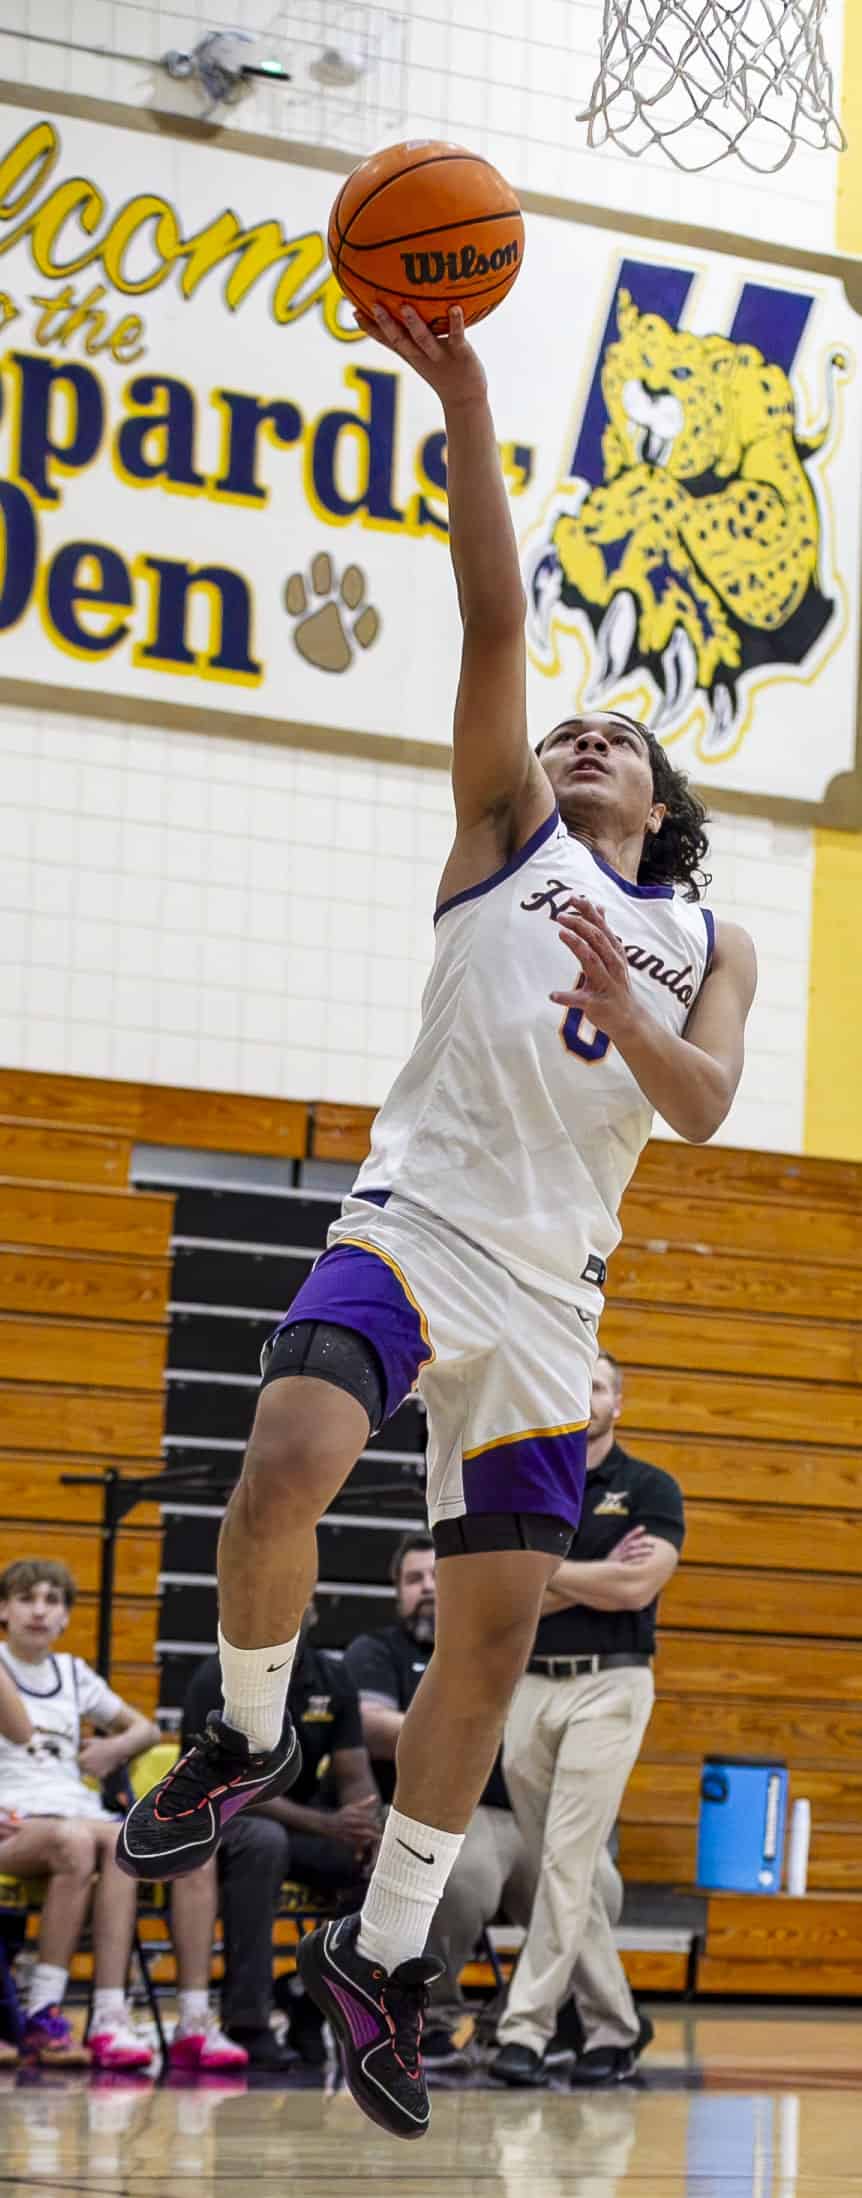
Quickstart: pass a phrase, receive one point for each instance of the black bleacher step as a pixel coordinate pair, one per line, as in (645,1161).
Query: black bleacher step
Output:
(188,1620)
(356,1551)
(187,1610)
(209,1408)
(385,1484)
(225,1408)
(175,1674)
(217,1343)
(406,1429)
(211,1274)
(255,1217)
(380,1481)
(351,1549)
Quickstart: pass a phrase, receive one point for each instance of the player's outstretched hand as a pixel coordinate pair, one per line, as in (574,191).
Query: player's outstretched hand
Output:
(603,991)
(448,363)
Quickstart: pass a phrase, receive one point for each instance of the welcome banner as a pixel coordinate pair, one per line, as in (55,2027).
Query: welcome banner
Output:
(214,490)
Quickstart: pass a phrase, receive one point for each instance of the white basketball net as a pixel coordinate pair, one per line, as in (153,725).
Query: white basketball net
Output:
(724,76)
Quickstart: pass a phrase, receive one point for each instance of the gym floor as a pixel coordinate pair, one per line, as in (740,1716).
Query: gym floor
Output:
(732,2103)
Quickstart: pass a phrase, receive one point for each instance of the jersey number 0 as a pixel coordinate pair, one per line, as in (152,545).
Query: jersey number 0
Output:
(581,1037)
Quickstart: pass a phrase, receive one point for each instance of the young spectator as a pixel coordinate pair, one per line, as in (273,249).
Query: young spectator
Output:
(492,1870)
(65,1833)
(14,1725)
(14,1722)
(328,1847)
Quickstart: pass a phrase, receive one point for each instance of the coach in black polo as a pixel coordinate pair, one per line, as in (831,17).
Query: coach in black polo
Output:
(572,1738)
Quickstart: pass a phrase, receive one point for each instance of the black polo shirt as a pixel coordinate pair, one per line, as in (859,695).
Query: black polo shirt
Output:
(390,1664)
(621,1493)
(321,1699)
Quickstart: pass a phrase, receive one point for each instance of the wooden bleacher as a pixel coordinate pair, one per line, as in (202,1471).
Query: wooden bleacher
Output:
(735,1302)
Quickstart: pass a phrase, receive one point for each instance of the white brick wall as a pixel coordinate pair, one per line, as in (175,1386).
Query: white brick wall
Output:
(206,910)
(215,911)
(507,76)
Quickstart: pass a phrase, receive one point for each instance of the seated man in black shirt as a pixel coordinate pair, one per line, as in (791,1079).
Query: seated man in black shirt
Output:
(329,1849)
(492,1869)
(572,1738)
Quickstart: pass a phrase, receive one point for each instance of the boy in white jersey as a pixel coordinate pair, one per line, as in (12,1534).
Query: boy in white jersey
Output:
(55,1826)
(572,993)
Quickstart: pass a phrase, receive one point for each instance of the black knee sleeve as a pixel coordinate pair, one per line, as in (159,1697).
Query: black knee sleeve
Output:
(340,1356)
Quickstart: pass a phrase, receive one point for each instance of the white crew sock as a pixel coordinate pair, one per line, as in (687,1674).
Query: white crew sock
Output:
(108,2012)
(193,2009)
(408,1881)
(47,1987)
(254,1685)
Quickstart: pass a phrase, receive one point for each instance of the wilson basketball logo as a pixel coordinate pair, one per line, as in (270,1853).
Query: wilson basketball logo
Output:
(421,268)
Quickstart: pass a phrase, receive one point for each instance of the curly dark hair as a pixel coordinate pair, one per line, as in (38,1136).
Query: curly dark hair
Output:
(674,854)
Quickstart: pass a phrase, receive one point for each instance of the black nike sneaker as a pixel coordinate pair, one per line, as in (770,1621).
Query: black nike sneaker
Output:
(377,2018)
(178,1824)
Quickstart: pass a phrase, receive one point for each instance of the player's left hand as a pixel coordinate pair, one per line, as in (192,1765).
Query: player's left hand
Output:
(448,363)
(97,1758)
(604,991)
(635,1548)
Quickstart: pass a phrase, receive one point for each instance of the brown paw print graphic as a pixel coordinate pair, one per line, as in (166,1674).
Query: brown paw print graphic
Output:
(335,620)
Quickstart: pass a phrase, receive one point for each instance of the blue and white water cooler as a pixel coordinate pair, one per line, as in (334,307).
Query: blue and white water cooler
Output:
(743,1811)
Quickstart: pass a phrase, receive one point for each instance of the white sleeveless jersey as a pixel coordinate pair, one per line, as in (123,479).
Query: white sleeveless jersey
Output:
(42,1778)
(513,1119)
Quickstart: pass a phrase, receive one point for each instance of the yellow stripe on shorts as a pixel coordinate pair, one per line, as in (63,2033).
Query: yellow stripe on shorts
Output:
(525,1434)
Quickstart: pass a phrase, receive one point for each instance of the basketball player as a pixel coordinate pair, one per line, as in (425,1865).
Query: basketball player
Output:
(572,992)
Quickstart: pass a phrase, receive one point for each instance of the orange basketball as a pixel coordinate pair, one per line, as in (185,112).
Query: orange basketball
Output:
(427,224)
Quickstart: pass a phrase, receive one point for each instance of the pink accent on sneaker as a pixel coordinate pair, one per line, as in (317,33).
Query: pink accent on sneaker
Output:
(118,2049)
(205,2052)
(362,2023)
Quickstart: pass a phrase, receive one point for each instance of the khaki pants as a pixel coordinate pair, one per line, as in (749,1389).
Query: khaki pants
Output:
(492,1872)
(568,1750)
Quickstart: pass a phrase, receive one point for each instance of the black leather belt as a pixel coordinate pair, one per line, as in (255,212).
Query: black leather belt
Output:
(574,1667)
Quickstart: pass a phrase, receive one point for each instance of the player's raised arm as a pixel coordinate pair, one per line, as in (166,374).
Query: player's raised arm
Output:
(494,775)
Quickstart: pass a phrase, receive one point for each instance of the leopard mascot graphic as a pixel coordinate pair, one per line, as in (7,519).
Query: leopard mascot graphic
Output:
(696,558)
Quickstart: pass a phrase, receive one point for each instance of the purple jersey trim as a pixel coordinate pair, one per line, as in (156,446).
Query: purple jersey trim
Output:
(636,892)
(543,1473)
(354,1287)
(709,924)
(474,892)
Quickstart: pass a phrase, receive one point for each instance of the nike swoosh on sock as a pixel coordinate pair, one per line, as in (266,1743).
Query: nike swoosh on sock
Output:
(414,1851)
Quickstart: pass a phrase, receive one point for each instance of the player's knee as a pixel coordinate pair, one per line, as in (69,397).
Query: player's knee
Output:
(73,1848)
(506,1643)
(287,1460)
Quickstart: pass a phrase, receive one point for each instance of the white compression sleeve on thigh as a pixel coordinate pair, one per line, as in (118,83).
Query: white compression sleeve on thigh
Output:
(254,1685)
(408,1881)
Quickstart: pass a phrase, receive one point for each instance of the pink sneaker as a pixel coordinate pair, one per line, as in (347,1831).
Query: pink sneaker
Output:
(120,2048)
(205,2052)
